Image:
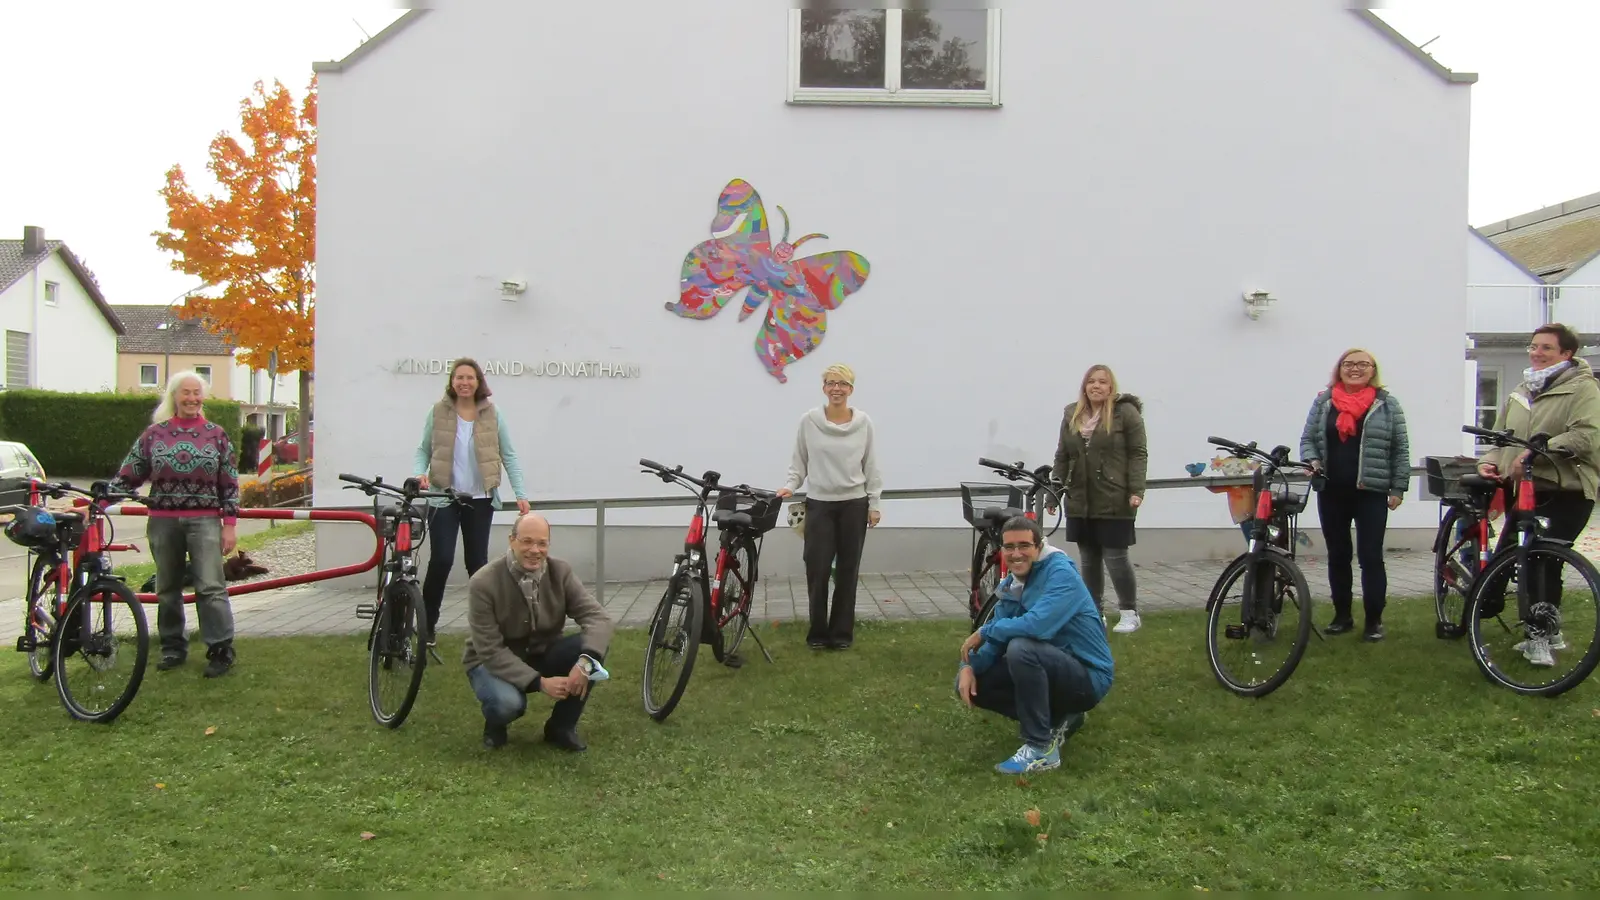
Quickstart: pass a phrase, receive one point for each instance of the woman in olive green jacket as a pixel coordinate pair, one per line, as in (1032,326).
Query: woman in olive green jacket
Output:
(1559,397)
(1102,459)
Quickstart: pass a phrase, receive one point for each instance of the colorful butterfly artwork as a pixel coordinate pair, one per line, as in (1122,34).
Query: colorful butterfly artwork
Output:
(798,292)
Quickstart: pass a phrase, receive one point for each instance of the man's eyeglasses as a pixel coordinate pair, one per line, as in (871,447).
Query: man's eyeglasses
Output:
(1017,548)
(1548,348)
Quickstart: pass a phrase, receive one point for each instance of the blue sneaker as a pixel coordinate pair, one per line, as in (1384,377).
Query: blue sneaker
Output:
(1028,760)
(1068,727)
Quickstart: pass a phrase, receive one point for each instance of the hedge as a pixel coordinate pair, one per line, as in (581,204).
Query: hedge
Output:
(89,434)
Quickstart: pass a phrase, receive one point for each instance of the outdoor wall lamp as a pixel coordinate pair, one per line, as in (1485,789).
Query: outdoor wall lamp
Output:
(1255,302)
(510,288)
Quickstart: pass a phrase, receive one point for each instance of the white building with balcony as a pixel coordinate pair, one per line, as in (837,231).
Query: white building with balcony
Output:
(1035,187)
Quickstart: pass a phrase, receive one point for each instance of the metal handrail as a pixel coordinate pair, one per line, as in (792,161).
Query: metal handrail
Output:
(601,504)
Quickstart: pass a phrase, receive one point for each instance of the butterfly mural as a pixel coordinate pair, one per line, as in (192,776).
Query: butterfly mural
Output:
(797,292)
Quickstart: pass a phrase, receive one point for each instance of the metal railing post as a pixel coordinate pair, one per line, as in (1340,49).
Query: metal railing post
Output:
(600,551)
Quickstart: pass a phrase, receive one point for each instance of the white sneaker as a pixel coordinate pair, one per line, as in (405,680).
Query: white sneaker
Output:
(1559,642)
(1537,651)
(1127,621)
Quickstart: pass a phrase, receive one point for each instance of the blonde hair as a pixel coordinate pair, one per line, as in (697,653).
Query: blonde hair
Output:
(168,407)
(845,373)
(1333,380)
(1082,412)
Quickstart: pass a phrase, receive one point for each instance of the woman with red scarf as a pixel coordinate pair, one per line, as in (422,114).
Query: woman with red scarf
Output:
(1356,436)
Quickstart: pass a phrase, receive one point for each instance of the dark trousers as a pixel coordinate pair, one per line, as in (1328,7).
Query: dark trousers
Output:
(1568,512)
(443,522)
(1039,685)
(836,532)
(504,702)
(1338,507)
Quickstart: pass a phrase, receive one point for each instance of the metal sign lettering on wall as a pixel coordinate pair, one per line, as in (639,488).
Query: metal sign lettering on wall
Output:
(550,368)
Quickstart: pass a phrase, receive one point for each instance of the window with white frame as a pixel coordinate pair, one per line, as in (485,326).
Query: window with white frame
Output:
(204,372)
(52,294)
(1488,400)
(919,57)
(148,376)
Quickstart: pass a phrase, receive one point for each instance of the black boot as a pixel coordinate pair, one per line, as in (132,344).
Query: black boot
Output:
(1341,622)
(565,737)
(1372,633)
(220,659)
(494,736)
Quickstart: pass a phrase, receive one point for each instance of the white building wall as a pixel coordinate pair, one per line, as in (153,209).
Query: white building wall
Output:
(74,348)
(1152,161)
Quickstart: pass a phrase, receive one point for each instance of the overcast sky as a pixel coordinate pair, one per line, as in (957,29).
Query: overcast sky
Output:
(106,96)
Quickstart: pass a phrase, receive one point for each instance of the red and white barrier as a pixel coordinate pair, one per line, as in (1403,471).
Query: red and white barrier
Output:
(265,465)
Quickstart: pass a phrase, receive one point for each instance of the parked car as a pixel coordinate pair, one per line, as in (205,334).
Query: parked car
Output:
(17,465)
(287,449)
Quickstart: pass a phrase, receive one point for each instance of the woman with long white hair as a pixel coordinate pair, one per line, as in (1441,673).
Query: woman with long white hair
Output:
(189,464)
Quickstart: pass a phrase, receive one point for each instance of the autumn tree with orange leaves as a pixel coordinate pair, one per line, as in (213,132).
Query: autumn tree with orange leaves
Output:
(254,242)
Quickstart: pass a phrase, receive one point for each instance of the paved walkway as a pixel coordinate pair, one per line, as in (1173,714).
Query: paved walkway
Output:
(313,610)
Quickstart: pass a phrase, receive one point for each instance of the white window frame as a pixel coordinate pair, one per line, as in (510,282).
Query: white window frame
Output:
(155,378)
(1478,408)
(52,293)
(891,94)
(205,373)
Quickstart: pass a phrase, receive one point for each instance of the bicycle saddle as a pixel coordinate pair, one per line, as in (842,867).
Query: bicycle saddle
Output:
(727,518)
(1000,515)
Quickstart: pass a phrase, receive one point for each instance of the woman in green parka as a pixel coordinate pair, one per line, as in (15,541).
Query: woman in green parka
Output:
(1102,459)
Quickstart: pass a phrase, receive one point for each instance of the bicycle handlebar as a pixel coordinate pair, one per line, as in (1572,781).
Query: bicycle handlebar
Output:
(1279,457)
(100,490)
(410,490)
(1538,443)
(1017,471)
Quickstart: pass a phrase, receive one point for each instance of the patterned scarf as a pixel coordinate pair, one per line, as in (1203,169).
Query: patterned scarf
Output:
(1539,379)
(528,581)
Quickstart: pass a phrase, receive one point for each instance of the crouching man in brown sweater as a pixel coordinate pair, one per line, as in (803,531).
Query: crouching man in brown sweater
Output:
(516,608)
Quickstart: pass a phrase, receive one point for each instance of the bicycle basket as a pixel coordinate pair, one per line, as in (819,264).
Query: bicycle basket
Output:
(1444,475)
(34,528)
(1291,500)
(977,497)
(763,513)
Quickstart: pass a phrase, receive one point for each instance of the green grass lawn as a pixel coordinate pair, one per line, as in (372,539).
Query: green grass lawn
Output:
(1393,765)
(138,573)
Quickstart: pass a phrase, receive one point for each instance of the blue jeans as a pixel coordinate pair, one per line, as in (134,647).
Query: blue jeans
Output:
(504,702)
(1039,685)
(184,548)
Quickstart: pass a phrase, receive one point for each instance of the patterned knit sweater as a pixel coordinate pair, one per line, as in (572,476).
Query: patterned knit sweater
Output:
(189,465)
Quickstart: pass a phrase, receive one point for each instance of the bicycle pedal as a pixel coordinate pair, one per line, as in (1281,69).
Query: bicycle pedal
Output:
(1236,632)
(24,645)
(433,654)
(366,610)
(1446,631)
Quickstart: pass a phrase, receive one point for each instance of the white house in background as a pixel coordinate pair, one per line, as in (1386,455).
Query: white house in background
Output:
(1034,187)
(1543,266)
(60,334)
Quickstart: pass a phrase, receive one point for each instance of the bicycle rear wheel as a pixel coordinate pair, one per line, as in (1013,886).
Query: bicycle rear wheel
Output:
(734,600)
(99,651)
(1254,658)
(398,655)
(1455,564)
(674,641)
(985,578)
(44,598)
(1549,649)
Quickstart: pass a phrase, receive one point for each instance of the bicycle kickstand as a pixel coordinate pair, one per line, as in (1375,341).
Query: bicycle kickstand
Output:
(757,635)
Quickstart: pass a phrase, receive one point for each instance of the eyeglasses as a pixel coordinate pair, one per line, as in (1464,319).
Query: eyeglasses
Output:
(1358,366)
(1017,548)
(835,384)
(1548,348)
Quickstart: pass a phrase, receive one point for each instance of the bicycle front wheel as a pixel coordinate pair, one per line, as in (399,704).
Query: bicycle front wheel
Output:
(398,655)
(1253,655)
(99,650)
(1550,646)
(44,598)
(674,641)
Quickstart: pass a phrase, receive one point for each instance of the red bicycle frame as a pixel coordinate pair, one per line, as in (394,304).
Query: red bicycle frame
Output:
(93,543)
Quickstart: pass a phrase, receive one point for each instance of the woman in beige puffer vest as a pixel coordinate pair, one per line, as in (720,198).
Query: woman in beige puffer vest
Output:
(464,446)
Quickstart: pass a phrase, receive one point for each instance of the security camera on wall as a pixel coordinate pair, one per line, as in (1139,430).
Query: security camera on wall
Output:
(509,289)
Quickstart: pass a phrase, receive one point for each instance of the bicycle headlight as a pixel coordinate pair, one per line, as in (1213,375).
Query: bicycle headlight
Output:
(1544,522)
(1273,532)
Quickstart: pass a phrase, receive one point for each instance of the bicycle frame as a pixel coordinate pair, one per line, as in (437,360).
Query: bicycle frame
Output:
(1521,515)
(694,540)
(1040,482)
(398,540)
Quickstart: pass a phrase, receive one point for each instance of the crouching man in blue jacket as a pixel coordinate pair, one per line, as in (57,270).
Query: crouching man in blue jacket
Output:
(1043,659)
